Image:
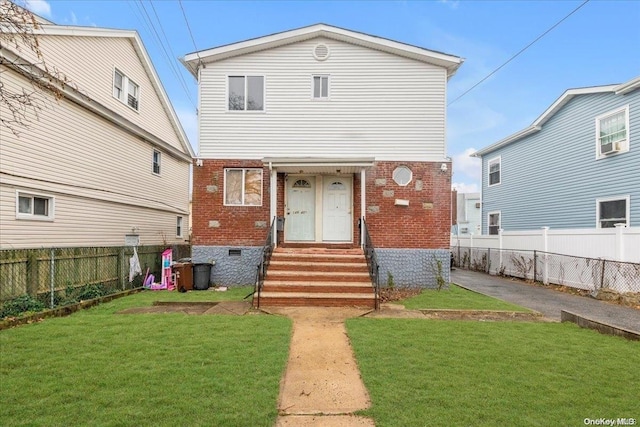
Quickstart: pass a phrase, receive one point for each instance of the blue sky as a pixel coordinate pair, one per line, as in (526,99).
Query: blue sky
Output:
(597,45)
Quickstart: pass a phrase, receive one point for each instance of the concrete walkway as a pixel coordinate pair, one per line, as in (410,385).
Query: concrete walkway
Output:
(548,301)
(322,384)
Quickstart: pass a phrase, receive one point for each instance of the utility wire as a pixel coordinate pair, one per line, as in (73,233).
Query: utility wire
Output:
(190,33)
(521,50)
(170,59)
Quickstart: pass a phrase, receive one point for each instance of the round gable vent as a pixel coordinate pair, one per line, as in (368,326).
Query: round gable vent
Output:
(321,52)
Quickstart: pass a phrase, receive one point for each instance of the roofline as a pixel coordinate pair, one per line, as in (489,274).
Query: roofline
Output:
(65,30)
(568,95)
(192,60)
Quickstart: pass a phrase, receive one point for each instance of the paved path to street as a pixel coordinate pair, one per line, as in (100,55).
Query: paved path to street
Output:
(548,301)
(322,385)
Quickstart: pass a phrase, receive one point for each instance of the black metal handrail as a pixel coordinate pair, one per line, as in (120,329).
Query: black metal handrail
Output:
(372,260)
(267,250)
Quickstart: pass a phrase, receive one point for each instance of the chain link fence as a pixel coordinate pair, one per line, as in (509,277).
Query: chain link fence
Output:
(60,276)
(589,274)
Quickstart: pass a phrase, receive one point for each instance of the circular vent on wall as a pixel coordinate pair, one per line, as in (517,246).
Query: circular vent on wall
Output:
(321,52)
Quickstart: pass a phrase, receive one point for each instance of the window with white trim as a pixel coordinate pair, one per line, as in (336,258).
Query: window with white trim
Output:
(612,211)
(126,90)
(402,176)
(493,221)
(245,93)
(156,162)
(242,187)
(34,206)
(494,176)
(179,221)
(612,132)
(321,87)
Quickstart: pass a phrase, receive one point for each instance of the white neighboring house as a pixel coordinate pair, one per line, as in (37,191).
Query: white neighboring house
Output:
(469,214)
(109,158)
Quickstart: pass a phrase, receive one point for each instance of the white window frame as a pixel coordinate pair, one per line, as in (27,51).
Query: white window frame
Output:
(499,213)
(313,83)
(32,216)
(624,144)
(396,178)
(124,92)
(179,226)
(153,162)
(489,163)
(627,200)
(244,170)
(246,89)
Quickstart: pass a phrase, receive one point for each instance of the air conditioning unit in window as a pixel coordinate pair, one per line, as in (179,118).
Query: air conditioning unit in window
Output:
(612,147)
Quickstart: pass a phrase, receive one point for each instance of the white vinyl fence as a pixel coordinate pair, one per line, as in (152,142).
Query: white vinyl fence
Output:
(585,259)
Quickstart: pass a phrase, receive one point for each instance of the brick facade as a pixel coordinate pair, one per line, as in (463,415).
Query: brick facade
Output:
(425,223)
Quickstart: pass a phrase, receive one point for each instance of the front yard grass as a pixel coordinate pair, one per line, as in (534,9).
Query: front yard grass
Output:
(464,373)
(100,368)
(456,297)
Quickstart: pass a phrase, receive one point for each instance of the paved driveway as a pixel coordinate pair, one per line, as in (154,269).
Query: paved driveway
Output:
(547,301)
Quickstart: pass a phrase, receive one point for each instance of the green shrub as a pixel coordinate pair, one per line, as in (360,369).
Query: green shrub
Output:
(20,305)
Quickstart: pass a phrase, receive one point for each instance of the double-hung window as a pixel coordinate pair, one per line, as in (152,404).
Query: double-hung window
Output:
(612,132)
(156,162)
(242,187)
(34,206)
(494,171)
(179,226)
(612,211)
(246,93)
(494,222)
(320,87)
(126,90)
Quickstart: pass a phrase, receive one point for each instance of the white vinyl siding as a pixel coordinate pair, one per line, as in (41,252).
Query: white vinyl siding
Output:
(382,106)
(612,132)
(72,55)
(99,194)
(612,211)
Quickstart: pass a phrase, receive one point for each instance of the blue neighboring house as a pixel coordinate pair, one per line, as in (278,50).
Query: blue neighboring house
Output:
(576,166)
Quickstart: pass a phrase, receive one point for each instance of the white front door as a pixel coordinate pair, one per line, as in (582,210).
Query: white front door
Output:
(300,215)
(336,211)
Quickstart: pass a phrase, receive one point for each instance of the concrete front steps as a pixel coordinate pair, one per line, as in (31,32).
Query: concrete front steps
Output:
(321,277)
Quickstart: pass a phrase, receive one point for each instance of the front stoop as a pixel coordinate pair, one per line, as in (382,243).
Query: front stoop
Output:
(317,277)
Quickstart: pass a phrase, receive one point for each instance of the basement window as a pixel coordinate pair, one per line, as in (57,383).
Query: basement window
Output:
(235,252)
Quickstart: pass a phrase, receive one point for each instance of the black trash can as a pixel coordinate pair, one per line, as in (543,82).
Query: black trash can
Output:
(201,276)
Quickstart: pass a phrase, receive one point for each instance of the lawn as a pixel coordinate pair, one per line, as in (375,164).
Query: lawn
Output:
(100,368)
(422,373)
(457,298)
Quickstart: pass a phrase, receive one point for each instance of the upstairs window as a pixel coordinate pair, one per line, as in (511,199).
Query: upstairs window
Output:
(31,206)
(612,131)
(179,226)
(612,211)
(243,187)
(320,87)
(126,90)
(246,93)
(494,223)
(494,171)
(156,162)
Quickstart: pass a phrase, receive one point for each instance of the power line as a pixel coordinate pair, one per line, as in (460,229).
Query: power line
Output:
(519,52)
(190,33)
